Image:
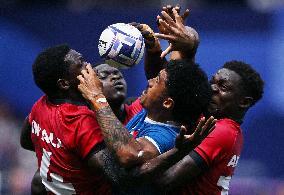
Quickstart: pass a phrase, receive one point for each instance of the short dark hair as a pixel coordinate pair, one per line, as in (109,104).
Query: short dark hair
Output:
(187,84)
(49,66)
(252,83)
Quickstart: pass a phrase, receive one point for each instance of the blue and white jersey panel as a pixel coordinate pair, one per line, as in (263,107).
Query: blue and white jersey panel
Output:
(162,135)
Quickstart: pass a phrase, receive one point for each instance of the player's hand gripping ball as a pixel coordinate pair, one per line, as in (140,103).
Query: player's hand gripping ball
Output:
(121,45)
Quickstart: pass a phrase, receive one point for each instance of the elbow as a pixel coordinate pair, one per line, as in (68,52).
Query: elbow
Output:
(28,146)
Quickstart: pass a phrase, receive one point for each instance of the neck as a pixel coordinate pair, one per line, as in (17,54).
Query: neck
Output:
(238,119)
(67,100)
(119,111)
(60,98)
(162,117)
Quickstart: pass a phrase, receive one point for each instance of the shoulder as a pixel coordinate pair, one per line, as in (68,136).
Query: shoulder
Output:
(161,135)
(133,108)
(71,112)
(41,101)
(80,127)
(161,128)
(225,132)
(226,128)
(221,140)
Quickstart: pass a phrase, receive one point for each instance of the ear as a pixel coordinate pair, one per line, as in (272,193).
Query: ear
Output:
(169,103)
(246,102)
(63,84)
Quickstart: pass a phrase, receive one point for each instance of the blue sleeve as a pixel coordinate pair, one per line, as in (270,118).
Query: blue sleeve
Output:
(162,138)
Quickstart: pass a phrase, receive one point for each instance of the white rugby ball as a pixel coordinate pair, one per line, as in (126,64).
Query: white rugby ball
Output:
(121,45)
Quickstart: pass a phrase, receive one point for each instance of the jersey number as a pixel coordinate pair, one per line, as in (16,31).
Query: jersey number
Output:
(56,184)
(224,182)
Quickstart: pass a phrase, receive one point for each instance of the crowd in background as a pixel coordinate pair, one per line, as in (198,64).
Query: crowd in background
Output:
(16,164)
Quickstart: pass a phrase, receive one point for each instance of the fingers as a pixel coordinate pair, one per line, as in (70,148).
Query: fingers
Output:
(177,8)
(166,37)
(169,9)
(134,23)
(164,27)
(90,69)
(183,131)
(167,28)
(168,18)
(199,126)
(178,18)
(166,51)
(84,73)
(170,26)
(207,128)
(81,79)
(81,87)
(185,15)
(212,128)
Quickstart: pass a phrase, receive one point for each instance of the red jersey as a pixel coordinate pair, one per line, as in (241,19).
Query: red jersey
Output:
(63,135)
(221,151)
(132,110)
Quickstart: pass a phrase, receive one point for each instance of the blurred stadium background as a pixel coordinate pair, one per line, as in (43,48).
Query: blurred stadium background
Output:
(249,30)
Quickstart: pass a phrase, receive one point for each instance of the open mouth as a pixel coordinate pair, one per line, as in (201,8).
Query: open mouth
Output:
(118,85)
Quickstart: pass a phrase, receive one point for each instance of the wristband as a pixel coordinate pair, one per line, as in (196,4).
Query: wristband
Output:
(99,101)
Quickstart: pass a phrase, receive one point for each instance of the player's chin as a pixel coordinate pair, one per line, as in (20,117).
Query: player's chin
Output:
(142,99)
(119,94)
(212,109)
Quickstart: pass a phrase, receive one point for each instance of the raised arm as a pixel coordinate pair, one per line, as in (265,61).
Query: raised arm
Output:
(182,45)
(128,150)
(153,63)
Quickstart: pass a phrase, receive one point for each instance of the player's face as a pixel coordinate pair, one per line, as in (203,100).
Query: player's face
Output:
(226,94)
(77,64)
(114,85)
(156,92)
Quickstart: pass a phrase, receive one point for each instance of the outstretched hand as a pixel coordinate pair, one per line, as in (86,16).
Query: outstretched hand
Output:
(189,142)
(169,10)
(180,37)
(152,43)
(90,85)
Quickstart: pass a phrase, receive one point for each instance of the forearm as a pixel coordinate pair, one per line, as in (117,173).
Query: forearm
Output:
(178,175)
(144,173)
(109,165)
(153,63)
(116,136)
(124,178)
(159,164)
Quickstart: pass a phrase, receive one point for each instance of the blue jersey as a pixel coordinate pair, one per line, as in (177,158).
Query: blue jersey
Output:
(162,135)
